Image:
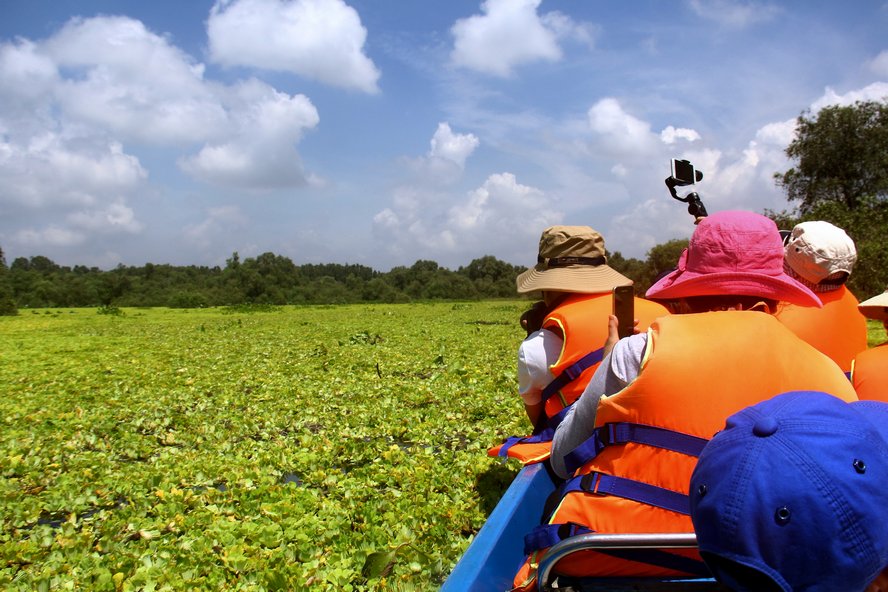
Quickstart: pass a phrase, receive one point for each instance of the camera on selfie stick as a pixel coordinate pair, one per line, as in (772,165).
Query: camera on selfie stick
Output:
(684,173)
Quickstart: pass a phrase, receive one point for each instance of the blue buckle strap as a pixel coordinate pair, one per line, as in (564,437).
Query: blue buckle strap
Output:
(652,495)
(547,535)
(622,433)
(544,436)
(571,373)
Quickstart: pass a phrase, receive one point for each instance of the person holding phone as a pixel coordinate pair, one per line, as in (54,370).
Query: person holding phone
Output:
(628,446)
(563,344)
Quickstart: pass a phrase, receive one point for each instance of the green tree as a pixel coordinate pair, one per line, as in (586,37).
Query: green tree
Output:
(7,304)
(491,277)
(840,154)
(841,176)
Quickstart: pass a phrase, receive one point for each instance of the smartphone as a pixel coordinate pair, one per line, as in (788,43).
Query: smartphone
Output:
(683,172)
(624,309)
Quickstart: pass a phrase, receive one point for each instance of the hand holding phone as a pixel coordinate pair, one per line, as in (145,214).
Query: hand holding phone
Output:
(624,310)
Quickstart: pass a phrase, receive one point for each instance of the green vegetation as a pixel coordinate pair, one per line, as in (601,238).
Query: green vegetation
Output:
(875,333)
(251,448)
(841,176)
(7,304)
(272,279)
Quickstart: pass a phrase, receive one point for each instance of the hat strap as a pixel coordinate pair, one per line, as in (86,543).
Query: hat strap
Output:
(566,261)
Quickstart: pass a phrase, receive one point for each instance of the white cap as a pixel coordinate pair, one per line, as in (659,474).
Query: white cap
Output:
(816,250)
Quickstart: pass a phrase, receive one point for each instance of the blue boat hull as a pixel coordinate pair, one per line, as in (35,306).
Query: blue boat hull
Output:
(497,551)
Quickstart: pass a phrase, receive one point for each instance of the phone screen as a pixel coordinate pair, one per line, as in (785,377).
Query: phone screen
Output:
(683,172)
(624,309)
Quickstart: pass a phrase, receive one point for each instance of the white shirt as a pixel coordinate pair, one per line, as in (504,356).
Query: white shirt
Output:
(536,354)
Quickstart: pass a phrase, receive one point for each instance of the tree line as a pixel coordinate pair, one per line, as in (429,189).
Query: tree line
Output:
(38,282)
(840,175)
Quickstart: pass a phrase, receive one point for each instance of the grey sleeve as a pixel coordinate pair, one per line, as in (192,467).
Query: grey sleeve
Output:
(617,370)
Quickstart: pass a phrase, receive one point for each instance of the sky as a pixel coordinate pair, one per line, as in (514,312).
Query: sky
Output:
(382,132)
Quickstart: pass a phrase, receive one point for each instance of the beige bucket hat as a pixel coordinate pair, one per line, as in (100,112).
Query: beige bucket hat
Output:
(571,259)
(876,307)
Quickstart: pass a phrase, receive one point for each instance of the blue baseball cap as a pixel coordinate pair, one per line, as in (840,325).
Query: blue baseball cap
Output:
(793,495)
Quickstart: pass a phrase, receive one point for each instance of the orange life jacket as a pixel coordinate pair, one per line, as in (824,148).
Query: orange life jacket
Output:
(581,320)
(697,370)
(838,329)
(869,374)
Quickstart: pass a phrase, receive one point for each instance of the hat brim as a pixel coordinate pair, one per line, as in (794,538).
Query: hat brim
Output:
(685,284)
(875,308)
(582,279)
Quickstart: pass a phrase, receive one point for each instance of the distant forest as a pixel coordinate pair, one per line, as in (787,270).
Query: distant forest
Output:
(38,282)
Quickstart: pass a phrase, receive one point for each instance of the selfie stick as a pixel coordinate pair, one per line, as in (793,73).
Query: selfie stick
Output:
(695,205)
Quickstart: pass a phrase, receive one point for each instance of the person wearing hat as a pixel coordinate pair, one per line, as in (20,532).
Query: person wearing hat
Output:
(562,351)
(869,372)
(821,256)
(628,446)
(791,496)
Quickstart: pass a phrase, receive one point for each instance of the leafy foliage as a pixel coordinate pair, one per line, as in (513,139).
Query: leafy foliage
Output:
(306,447)
(841,176)
(841,155)
(267,279)
(7,304)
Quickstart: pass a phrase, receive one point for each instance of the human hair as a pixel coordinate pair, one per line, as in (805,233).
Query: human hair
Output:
(694,304)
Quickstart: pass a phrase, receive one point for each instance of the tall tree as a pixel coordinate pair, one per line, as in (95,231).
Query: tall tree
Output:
(841,155)
(841,176)
(7,304)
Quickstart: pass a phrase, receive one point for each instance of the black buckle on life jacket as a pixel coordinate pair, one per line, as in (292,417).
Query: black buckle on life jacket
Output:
(607,434)
(589,483)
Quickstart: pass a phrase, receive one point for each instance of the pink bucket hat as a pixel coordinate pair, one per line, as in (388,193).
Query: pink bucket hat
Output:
(733,253)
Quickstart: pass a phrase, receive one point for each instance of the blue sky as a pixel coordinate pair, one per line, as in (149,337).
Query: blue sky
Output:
(381,132)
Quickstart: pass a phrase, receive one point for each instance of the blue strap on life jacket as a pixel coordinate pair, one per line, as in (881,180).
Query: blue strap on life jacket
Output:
(571,373)
(544,436)
(546,535)
(652,495)
(544,432)
(623,432)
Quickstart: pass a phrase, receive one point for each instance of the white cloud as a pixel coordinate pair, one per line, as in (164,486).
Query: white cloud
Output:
(509,33)
(49,170)
(500,217)
(318,39)
(622,131)
(121,76)
(52,236)
(116,217)
(446,159)
(78,105)
(670,135)
(877,91)
(735,13)
(219,224)
(260,153)
(779,133)
(453,147)
(879,64)
(26,72)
